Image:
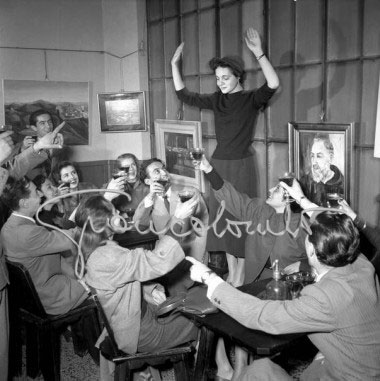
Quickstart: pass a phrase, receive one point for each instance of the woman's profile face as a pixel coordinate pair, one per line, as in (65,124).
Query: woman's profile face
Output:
(48,189)
(226,81)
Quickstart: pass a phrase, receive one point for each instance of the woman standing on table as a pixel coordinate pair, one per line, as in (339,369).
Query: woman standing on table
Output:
(235,113)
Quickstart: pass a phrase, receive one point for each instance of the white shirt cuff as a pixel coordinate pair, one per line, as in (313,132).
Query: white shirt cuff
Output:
(212,284)
(148,202)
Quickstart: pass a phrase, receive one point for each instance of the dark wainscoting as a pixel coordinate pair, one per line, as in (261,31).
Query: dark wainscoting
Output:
(95,172)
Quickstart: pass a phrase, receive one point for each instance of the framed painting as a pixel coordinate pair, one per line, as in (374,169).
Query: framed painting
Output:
(174,141)
(65,101)
(321,157)
(122,112)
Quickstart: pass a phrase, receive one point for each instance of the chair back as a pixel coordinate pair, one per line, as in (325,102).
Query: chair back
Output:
(103,318)
(370,251)
(22,292)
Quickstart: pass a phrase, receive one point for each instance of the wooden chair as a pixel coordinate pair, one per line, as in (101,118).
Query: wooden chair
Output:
(42,330)
(370,252)
(125,363)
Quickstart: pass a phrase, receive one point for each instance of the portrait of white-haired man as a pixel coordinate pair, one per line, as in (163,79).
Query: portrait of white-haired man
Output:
(323,177)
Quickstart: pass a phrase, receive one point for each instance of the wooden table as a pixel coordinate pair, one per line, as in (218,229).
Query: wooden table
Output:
(221,324)
(132,238)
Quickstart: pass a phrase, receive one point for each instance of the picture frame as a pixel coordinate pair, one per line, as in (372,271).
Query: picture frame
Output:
(174,140)
(322,149)
(64,101)
(122,112)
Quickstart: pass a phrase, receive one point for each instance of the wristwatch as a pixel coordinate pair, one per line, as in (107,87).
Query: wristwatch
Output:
(205,276)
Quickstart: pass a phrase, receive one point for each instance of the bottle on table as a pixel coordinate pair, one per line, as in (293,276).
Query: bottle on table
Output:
(277,289)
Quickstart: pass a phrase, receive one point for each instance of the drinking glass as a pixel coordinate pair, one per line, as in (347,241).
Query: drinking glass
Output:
(130,212)
(297,281)
(287,178)
(196,154)
(164,183)
(295,288)
(185,195)
(333,200)
(117,173)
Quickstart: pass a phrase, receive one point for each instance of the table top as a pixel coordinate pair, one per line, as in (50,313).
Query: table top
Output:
(254,341)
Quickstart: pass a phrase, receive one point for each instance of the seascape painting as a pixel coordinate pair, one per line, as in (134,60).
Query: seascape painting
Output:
(65,101)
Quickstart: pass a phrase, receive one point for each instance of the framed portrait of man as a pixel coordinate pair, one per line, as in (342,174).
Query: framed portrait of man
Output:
(321,157)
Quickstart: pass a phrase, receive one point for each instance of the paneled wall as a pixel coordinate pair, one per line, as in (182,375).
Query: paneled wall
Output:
(326,52)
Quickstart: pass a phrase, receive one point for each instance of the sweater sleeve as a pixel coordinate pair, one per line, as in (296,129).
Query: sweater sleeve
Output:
(263,95)
(238,204)
(215,180)
(194,99)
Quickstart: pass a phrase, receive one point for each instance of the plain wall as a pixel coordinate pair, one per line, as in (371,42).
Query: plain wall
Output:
(74,36)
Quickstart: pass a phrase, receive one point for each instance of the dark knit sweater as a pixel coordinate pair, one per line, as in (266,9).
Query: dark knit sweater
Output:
(235,116)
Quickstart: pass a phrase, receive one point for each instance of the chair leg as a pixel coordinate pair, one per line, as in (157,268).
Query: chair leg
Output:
(50,354)
(15,347)
(123,372)
(182,368)
(205,350)
(32,351)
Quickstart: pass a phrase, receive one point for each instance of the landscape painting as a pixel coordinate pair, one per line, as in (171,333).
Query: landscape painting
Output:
(65,101)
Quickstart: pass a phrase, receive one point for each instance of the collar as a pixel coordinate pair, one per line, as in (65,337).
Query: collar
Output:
(321,275)
(167,194)
(22,216)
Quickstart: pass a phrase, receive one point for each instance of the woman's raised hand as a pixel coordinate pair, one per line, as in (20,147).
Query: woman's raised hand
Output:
(253,41)
(177,54)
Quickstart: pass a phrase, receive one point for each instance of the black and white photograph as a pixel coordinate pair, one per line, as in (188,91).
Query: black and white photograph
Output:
(189,190)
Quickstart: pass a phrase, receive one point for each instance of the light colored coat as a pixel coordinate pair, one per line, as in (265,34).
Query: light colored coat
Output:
(194,244)
(116,273)
(340,313)
(38,249)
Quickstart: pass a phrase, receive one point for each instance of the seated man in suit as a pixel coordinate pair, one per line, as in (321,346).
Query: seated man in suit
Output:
(16,166)
(160,203)
(158,207)
(126,178)
(340,311)
(38,249)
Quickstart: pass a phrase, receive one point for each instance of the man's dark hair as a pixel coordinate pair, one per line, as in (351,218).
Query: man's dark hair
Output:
(56,171)
(33,116)
(335,239)
(14,191)
(146,164)
(39,180)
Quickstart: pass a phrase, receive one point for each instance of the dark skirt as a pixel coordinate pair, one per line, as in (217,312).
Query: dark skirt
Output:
(241,174)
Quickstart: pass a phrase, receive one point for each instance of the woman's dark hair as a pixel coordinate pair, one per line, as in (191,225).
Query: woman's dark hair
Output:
(14,191)
(335,239)
(235,63)
(99,211)
(56,171)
